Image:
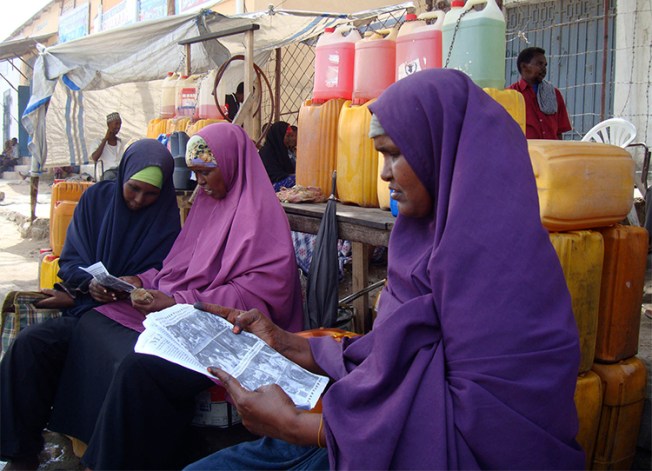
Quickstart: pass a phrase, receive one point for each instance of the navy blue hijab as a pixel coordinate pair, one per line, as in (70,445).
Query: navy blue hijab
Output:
(104,229)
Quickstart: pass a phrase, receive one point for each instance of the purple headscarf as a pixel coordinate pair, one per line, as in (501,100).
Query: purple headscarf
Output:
(237,251)
(472,361)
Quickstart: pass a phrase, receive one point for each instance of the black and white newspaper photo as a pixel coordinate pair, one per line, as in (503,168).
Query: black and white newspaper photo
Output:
(103,277)
(196,340)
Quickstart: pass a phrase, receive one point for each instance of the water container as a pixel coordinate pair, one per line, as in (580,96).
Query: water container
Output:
(581,185)
(317,143)
(382,187)
(393,204)
(334,62)
(70,191)
(621,295)
(177,125)
(168,90)
(580,254)
(588,402)
(476,43)
(63,211)
(206,99)
(48,271)
(181,175)
(512,101)
(186,96)
(623,386)
(418,44)
(357,163)
(374,65)
(197,126)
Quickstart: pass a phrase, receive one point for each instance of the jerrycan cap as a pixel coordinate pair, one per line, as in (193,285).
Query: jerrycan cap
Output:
(457,3)
(330,29)
(410,17)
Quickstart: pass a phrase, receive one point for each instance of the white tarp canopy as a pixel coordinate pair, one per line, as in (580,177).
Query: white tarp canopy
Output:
(77,83)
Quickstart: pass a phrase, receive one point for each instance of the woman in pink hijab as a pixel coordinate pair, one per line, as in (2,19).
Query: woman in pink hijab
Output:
(234,249)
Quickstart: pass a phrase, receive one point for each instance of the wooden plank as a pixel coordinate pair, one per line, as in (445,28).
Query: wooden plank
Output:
(360,280)
(346,230)
(369,217)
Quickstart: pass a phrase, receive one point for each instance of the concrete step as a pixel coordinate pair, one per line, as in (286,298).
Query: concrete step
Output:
(10,176)
(24,160)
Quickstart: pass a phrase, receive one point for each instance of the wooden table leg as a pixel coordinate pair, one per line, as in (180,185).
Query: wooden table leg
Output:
(360,280)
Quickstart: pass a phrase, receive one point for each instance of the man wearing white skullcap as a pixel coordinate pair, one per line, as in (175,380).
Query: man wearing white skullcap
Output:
(108,151)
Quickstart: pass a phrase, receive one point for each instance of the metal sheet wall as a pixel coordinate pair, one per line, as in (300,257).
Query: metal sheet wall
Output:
(573,34)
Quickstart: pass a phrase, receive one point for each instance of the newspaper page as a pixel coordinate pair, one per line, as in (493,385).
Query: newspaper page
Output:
(103,277)
(196,340)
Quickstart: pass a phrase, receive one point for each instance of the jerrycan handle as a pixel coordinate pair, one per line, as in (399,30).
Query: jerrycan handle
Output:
(429,15)
(352,31)
(387,33)
(490,4)
(343,29)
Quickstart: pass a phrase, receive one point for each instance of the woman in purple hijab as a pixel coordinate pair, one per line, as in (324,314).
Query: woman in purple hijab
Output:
(222,255)
(472,360)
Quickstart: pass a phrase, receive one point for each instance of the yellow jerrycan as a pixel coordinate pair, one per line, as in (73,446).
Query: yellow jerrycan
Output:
(357,158)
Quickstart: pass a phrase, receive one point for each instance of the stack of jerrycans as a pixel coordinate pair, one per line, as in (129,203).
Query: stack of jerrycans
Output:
(585,190)
(318,117)
(357,158)
(64,199)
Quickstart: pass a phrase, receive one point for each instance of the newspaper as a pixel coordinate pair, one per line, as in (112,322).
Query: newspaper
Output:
(196,340)
(103,277)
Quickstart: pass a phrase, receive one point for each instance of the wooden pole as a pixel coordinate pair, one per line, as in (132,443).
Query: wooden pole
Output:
(277,85)
(249,78)
(33,194)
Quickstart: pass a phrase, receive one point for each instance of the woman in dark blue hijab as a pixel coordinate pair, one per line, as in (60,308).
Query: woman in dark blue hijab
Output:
(128,224)
(104,228)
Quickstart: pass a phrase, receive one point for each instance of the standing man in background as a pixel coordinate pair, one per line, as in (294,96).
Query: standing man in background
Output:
(545,111)
(109,150)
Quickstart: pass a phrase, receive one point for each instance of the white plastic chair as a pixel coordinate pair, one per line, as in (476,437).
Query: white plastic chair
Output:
(619,132)
(616,131)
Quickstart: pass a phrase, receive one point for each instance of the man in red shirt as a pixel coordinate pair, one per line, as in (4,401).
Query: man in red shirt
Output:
(545,111)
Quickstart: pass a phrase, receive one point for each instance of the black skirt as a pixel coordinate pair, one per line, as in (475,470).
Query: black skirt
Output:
(96,350)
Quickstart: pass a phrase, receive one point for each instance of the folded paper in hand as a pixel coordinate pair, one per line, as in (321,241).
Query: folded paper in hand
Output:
(197,339)
(103,277)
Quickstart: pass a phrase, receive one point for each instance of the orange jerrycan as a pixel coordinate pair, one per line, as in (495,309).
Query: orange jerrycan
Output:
(357,158)
(581,185)
(317,143)
(588,402)
(63,211)
(623,386)
(621,292)
(580,254)
(63,200)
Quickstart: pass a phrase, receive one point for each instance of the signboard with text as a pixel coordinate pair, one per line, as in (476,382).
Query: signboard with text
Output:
(74,23)
(152,9)
(124,13)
